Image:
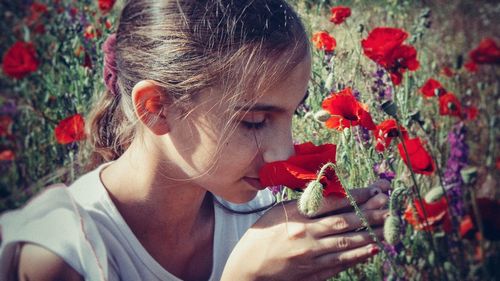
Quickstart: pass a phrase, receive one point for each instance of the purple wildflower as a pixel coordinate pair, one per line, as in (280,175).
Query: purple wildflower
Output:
(276,189)
(383,170)
(380,88)
(457,160)
(8,107)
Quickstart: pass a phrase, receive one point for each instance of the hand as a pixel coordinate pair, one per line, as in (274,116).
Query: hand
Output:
(285,245)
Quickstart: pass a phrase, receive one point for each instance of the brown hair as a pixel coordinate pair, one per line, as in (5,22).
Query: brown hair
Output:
(190,45)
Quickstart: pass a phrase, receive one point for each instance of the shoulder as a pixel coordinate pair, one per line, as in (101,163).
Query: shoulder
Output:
(38,263)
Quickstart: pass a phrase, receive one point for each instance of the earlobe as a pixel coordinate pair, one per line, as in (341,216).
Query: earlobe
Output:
(149,105)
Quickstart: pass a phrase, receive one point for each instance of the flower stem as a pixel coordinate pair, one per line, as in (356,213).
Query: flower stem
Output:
(361,216)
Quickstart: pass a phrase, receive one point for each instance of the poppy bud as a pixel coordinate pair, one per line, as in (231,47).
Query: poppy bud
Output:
(395,198)
(459,62)
(392,229)
(415,116)
(469,175)
(434,194)
(310,201)
(322,115)
(329,81)
(361,28)
(390,108)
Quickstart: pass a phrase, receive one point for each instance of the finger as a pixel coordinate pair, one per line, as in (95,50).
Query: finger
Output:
(347,241)
(346,222)
(378,201)
(382,184)
(360,195)
(332,271)
(347,258)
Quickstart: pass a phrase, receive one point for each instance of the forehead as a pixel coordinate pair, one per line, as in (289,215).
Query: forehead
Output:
(285,92)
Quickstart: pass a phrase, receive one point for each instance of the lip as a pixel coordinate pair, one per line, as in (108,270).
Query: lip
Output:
(254,182)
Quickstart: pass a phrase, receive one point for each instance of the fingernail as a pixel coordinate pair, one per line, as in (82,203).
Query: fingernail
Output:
(374,250)
(375,191)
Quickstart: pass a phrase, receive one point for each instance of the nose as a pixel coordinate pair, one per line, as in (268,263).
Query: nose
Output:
(278,147)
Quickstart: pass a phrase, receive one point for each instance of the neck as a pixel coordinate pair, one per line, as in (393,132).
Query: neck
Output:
(153,202)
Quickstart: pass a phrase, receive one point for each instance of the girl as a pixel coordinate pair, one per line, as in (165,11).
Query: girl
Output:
(200,95)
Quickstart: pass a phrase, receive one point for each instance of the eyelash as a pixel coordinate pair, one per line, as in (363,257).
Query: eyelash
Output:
(253,126)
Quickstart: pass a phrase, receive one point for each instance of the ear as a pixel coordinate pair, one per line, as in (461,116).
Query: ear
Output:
(150,106)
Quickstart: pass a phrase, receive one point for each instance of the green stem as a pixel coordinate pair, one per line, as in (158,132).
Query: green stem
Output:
(361,216)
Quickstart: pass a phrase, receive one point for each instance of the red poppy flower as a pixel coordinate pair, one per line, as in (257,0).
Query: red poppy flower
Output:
(7,155)
(384,46)
(20,60)
(432,88)
(466,228)
(486,53)
(446,71)
(339,14)
(471,66)
(301,168)
(5,126)
(420,159)
(385,132)
(323,41)
(346,111)
(449,105)
(471,112)
(70,129)
(90,32)
(36,11)
(437,213)
(106,5)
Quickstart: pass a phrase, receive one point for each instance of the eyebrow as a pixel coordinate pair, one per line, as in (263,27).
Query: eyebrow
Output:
(268,107)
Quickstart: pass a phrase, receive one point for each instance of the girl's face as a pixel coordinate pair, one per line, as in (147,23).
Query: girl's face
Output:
(262,134)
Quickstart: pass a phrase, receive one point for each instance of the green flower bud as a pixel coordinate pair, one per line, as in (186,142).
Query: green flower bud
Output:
(434,194)
(392,229)
(329,81)
(390,108)
(395,199)
(322,115)
(310,201)
(469,175)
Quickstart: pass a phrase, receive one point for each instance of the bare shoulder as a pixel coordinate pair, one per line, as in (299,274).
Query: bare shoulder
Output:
(36,263)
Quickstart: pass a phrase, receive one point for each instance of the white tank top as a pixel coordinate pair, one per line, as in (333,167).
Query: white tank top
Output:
(82,225)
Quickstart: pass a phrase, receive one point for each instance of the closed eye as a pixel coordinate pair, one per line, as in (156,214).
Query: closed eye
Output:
(253,125)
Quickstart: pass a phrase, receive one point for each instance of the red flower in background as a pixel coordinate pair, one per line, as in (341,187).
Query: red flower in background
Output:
(7,155)
(432,88)
(471,66)
(323,41)
(385,132)
(70,129)
(446,71)
(301,168)
(420,159)
(106,5)
(384,45)
(339,14)
(471,112)
(20,60)
(36,11)
(437,212)
(346,111)
(449,105)
(5,126)
(486,53)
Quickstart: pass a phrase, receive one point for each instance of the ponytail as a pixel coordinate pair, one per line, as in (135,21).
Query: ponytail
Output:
(109,131)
